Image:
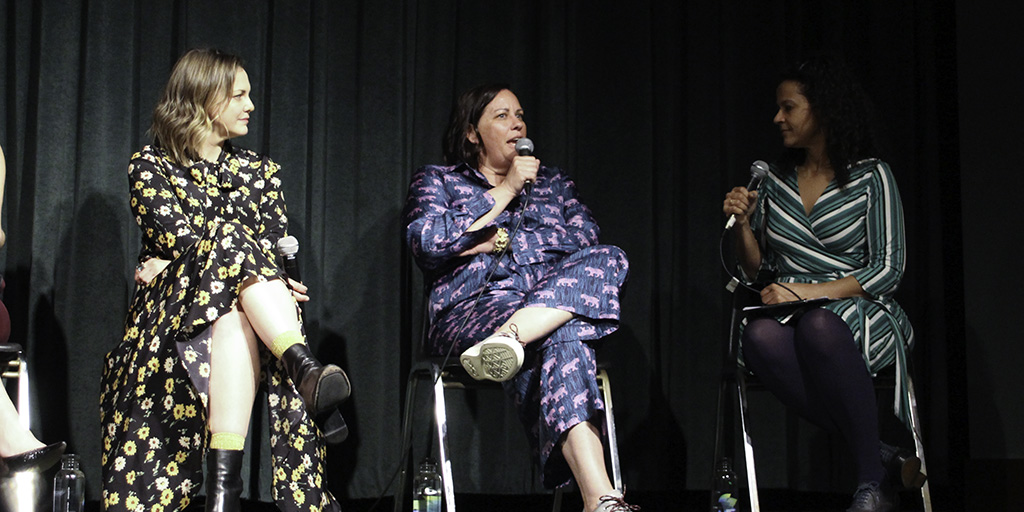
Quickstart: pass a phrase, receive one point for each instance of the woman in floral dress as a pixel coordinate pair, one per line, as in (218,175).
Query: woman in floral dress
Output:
(211,315)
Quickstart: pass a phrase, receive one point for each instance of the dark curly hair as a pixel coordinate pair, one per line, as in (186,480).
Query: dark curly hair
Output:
(841,109)
(465,116)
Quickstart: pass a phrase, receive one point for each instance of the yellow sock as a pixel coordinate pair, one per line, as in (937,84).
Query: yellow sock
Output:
(284,341)
(227,441)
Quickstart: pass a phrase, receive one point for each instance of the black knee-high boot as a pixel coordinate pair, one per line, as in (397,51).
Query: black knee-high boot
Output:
(223,480)
(323,387)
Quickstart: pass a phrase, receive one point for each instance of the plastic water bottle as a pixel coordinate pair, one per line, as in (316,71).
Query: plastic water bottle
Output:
(426,496)
(69,486)
(724,486)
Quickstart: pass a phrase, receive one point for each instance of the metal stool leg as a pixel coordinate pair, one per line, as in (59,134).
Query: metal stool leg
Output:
(915,425)
(410,401)
(609,421)
(748,446)
(441,420)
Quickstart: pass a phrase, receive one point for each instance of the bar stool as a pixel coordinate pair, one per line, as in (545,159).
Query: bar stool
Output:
(453,376)
(736,379)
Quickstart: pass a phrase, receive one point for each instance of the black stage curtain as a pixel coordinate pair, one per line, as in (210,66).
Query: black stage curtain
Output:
(657,108)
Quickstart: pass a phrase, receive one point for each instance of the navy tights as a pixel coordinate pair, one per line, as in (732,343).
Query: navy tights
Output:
(815,367)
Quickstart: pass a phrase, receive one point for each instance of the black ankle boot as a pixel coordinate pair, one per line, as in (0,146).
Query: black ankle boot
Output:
(223,480)
(323,387)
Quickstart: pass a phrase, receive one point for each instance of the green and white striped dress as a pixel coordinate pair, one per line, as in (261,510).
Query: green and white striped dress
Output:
(855,230)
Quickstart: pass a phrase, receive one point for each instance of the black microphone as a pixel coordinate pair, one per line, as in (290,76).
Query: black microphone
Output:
(758,170)
(524,147)
(287,248)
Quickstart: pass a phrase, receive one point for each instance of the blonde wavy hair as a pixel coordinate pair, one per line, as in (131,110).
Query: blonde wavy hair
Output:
(200,83)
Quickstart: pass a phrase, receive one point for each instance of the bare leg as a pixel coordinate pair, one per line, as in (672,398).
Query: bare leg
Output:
(533,324)
(14,439)
(270,308)
(584,452)
(234,370)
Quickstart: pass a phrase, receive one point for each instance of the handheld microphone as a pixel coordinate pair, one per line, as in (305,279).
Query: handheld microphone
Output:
(287,248)
(524,147)
(758,170)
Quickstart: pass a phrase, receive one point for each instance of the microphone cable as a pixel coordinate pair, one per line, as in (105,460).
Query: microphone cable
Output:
(735,279)
(407,443)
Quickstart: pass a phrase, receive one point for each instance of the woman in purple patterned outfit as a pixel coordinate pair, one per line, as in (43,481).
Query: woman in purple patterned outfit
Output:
(545,288)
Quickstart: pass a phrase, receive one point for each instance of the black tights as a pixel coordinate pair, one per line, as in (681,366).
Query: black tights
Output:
(816,368)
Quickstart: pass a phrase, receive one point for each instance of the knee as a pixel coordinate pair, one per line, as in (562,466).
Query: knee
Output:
(821,332)
(759,337)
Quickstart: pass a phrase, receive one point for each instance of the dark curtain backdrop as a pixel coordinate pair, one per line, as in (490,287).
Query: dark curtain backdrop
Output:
(656,108)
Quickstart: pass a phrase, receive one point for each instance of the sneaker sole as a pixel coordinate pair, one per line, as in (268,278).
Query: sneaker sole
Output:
(494,362)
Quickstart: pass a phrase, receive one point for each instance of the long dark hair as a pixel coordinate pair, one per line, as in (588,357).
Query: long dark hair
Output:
(465,115)
(841,109)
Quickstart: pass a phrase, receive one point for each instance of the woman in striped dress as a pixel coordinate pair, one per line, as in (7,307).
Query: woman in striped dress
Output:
(827,222)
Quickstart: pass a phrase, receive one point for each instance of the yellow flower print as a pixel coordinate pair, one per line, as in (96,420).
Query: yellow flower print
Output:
(156,508)
(299,497)
(129,477)
(190,411)
(296,404)
(131,502)
(222,272)
(197,174)
(166,194)
(172,468)
(129,448)
(179,411)
(143,210)
(140,390)
(169,385)
(204,297)
(272,194)
(234,270)
(113,499)
(279,474)
(143,432)
(298,443)
(153,364)
(148,192)
(181,193)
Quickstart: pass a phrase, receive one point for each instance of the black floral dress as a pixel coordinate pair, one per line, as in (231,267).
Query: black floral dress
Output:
(218,224)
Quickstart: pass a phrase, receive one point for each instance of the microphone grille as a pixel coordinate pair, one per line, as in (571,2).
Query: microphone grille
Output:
(524,146)
(288,246)
(759,169)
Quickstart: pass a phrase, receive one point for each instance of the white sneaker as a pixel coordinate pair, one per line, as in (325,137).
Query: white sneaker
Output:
(497,358)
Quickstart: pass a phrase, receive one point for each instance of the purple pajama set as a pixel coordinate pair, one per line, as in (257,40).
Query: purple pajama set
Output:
(553,261)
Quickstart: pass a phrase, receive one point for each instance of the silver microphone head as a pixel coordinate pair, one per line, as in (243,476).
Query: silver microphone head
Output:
(288,246)
(759,169)
(524,147)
